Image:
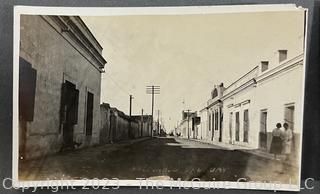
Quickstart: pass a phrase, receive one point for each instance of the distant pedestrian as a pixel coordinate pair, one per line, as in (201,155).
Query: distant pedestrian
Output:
(276,143)
(287,137)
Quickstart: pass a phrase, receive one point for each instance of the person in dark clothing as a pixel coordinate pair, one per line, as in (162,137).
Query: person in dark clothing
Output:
(276,143)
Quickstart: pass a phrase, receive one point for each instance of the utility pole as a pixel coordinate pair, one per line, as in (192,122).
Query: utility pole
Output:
(130,113)
(152,90)
(130,108)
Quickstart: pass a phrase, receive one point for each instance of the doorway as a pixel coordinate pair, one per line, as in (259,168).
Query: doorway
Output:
(220,124)
(246,126)
(212,125)
(89,115)
(230,126)
(69,102)
(263,129)
(289,116)
(237,126)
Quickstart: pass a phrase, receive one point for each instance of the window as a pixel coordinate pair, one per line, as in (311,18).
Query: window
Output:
(246,125)
(282,55)
(89,119)
(264,65)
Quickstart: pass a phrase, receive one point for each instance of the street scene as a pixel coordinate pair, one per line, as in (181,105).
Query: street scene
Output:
(214,96)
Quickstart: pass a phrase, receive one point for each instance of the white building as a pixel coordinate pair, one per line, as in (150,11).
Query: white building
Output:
(204,124)
(215,114)
(188,127)
(246,112)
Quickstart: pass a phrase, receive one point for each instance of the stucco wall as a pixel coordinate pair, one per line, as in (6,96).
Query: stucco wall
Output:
(56,60)
(271,95)
(118,128)
(275,94)
(146,130)
(105,133)
(242,96)
(204,125)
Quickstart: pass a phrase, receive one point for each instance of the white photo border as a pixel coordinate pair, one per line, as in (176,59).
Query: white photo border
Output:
(116,11)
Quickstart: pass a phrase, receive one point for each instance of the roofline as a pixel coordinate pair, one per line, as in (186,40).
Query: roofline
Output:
(243,76)
(90,33)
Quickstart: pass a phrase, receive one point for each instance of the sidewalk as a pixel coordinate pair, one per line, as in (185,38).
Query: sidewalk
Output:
(253,151)
(221,145)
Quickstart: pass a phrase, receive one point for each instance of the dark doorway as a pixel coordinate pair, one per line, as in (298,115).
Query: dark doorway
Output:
(230,127)
(220,125)
(212,126)
(237,126)
(246,126)
(69,106)
(89,120)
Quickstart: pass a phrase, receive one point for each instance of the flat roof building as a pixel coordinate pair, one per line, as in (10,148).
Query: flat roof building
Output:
(59,88)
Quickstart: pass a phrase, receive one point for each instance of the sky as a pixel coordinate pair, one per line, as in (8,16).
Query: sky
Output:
(186,55)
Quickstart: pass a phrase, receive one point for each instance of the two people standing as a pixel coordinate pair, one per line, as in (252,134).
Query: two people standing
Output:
(281,141)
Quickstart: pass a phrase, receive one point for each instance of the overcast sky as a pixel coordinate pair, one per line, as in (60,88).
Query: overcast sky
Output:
(186,55)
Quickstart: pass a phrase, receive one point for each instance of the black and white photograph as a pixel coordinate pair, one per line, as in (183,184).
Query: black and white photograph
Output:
(209,95)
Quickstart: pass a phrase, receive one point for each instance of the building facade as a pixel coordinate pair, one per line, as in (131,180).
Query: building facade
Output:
(237,102)
(246,112)
(189,126)
(215,114)
(59,87)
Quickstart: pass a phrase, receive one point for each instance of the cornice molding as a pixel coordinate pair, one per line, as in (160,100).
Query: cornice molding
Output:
(285,66)
(70,30)
(249,83)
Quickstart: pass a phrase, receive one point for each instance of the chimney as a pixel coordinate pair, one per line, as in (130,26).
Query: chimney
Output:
(283,54)
(264,65)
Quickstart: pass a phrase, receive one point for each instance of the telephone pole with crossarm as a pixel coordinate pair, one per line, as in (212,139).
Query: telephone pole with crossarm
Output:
(152,90)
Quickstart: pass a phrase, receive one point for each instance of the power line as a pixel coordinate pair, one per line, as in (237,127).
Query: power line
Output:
(124,90)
